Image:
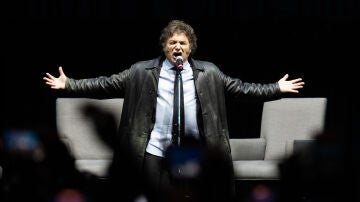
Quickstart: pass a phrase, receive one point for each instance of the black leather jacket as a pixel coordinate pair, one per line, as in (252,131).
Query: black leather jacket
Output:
(139,84)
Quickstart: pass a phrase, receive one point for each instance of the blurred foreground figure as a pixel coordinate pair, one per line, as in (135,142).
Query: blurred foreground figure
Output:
(324,171)
(37,166)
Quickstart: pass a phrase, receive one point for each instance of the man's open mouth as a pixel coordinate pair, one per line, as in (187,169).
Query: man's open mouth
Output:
(177,54)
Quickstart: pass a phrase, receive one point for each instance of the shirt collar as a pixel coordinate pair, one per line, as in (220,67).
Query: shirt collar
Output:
(168,65)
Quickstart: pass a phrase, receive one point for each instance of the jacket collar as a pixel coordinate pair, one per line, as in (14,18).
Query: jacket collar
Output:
(156,63)
(195,64)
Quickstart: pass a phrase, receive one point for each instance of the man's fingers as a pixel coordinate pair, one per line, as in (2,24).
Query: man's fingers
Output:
(296,80)
(50,76)
(61,71)
(47,79)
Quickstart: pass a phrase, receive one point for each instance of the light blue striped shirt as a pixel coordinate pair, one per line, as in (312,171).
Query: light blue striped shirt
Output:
(160,137)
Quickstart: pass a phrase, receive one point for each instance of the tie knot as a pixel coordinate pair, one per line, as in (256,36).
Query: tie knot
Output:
(177,69)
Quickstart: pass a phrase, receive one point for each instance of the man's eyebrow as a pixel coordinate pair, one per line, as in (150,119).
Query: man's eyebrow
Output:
(172,40)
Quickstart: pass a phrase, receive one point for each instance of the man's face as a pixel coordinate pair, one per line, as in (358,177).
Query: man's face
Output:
(177,45)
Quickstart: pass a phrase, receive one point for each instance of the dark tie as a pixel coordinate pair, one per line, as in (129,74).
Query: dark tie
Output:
(178,118)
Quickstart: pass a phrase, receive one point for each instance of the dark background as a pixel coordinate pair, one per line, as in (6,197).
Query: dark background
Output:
(255,40)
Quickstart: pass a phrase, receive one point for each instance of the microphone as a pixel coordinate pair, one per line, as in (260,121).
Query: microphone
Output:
(179,62)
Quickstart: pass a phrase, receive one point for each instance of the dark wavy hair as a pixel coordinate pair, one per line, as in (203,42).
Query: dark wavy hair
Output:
(179,26)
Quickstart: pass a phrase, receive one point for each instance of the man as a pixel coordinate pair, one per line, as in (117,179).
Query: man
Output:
(148,87)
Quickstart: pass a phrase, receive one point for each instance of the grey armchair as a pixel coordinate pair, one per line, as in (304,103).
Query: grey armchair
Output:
(286,124)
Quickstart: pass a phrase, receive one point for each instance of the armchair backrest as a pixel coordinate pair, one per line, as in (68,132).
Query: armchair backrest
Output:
(289,119)
(78,131)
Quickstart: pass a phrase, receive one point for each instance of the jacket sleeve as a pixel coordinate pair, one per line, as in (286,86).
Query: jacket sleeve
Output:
(237,88)
(102,86)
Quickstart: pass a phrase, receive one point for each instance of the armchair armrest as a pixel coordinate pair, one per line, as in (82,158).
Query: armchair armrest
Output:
(248,148)
(297,145)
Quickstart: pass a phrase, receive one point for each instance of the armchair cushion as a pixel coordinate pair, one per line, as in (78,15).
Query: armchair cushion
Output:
(256,170)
